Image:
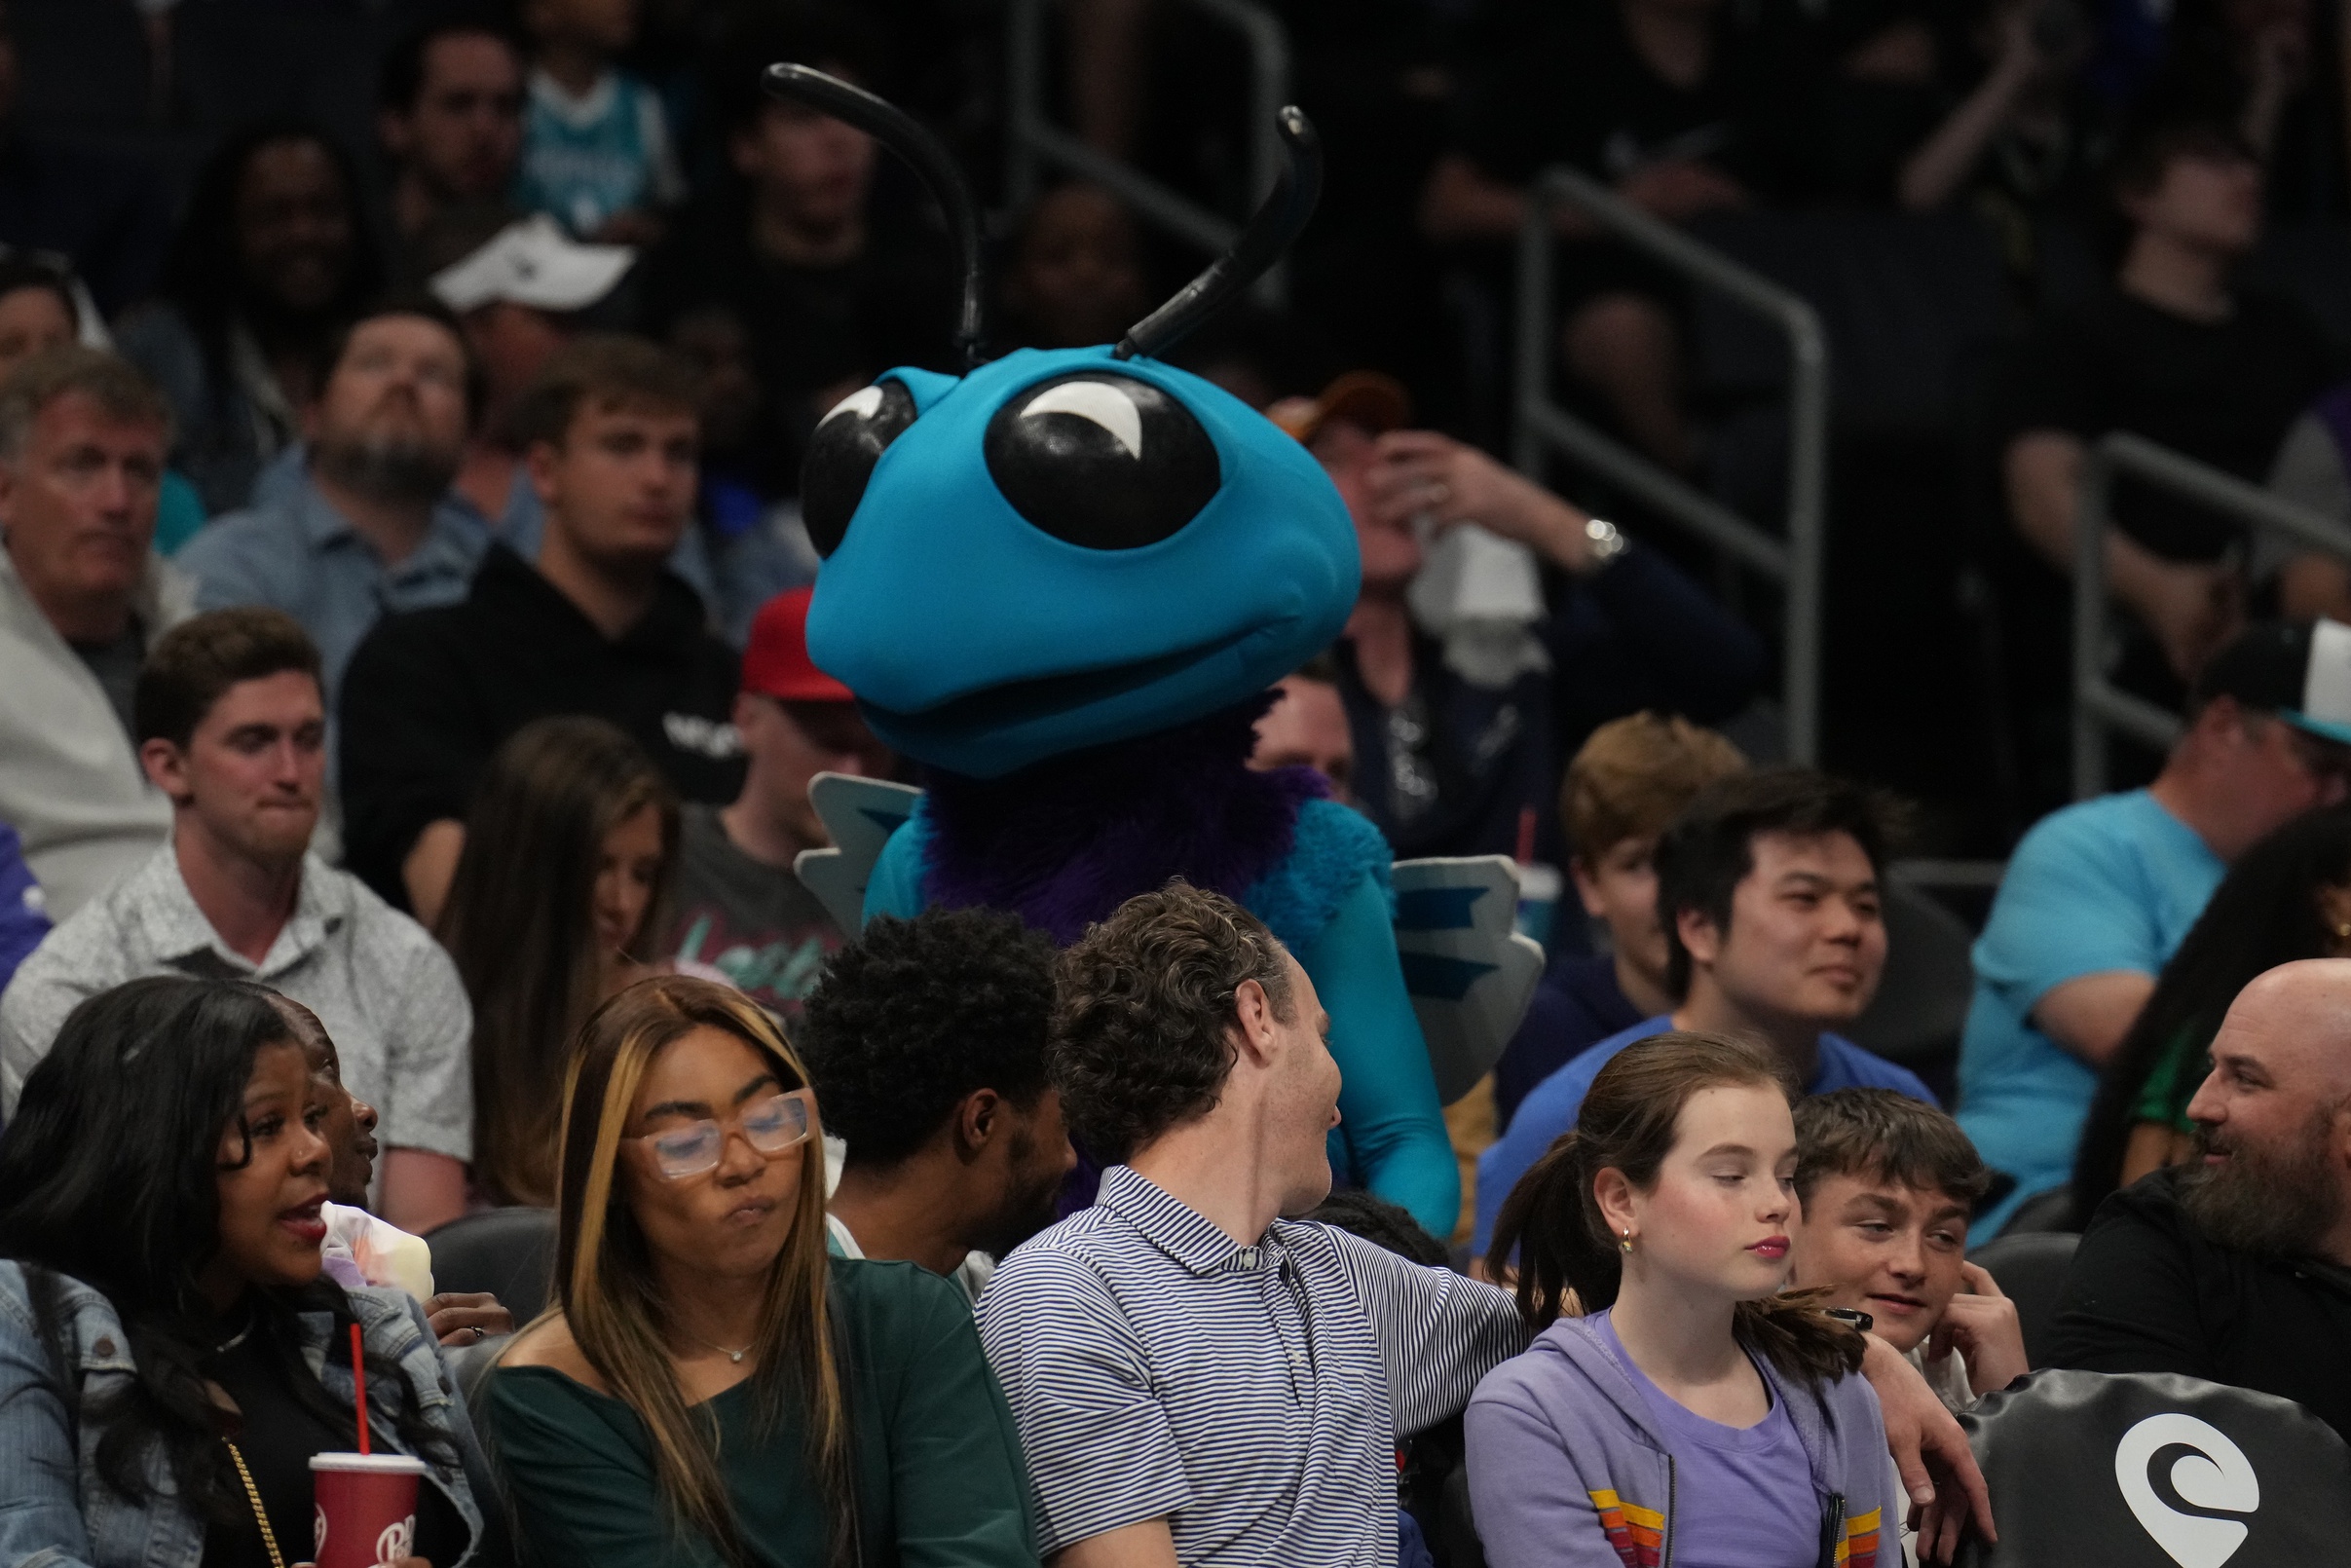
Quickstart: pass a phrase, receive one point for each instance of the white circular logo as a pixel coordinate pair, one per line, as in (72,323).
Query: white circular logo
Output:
(2212,1473)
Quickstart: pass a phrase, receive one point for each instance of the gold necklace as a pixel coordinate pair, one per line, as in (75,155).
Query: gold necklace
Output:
(269,1536)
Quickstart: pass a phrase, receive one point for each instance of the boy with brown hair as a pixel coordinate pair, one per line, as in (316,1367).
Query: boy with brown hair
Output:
(1888,1184)
(1632,779)
(600,626)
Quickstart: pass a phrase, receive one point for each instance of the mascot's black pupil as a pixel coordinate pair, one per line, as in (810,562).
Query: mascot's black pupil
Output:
(1104,461)
(841,455)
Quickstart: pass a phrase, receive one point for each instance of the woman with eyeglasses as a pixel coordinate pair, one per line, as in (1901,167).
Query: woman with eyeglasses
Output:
(711,1387)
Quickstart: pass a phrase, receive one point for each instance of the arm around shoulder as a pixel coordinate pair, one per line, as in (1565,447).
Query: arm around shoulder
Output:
(1439,1333)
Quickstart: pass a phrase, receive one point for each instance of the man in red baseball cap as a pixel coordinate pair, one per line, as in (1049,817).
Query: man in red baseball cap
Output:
(742,911)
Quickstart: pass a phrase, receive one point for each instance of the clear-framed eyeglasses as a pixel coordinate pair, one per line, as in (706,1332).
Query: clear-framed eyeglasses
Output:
(771,1126)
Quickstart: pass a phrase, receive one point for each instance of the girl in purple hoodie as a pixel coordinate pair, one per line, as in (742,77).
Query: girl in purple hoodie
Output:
(1677,1410)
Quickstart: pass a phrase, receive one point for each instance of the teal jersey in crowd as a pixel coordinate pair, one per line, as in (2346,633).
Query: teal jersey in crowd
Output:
(2109,884)
(586,159)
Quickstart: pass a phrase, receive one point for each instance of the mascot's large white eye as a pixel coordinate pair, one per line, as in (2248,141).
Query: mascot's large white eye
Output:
(842,453)
(1102,459)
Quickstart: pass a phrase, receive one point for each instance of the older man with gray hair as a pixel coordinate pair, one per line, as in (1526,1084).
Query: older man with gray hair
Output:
(83,437)
(2236,1268)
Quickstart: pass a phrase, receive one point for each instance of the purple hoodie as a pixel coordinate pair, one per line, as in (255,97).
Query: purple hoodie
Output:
(1568,1470)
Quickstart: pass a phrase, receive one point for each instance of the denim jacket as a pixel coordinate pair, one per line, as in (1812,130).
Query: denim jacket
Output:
(56,1512)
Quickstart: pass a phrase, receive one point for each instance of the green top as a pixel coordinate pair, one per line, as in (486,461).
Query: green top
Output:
(2178,1072)
(939,1478)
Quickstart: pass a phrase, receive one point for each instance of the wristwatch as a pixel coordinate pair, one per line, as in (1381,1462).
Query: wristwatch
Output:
(1607,544)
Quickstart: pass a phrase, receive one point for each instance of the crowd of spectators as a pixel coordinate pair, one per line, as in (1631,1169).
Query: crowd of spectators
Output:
(408,726)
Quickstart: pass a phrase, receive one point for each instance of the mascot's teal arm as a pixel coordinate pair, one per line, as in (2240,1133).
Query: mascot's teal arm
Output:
(1390,1126)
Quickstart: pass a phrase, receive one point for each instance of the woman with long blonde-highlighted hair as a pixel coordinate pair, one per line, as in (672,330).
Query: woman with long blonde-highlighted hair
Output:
(711,1387)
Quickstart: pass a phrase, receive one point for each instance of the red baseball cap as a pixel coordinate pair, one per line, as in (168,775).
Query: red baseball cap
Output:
(776,664)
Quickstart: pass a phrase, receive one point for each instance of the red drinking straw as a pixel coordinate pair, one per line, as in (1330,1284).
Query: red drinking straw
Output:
(358,1378)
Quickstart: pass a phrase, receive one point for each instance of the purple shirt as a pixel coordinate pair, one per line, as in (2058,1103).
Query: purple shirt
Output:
(1749,1489)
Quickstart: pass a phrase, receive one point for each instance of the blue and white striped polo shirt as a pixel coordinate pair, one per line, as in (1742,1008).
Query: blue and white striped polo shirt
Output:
(1251,1394)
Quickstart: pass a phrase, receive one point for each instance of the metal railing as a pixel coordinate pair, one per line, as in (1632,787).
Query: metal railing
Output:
(2100,708)
(1794,561)
(1032,142)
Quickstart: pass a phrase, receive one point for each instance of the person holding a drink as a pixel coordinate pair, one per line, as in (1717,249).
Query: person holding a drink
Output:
(178,1378)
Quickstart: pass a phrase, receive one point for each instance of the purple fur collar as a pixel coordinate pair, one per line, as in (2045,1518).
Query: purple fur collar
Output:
(1066,842)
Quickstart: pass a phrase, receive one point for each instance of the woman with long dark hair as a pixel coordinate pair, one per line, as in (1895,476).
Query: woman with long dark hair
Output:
(711,1387)
(2286,898)
(1675,1393)
(557,902)
(171,1354)
(269,260)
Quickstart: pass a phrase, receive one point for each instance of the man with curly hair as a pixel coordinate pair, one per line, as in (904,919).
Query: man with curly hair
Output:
(925,1041)
(1198,1377)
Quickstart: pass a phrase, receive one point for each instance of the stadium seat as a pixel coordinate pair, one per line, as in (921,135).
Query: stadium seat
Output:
(2089,1469)
(509,1252)
(470,1369)
(2030,1269)
(1922,1000)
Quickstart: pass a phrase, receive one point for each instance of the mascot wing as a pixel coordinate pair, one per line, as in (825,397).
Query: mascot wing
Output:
(861,814)
(1470,973)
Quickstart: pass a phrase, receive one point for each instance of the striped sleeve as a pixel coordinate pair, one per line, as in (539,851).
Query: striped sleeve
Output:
(1439,1332)
(1100,1452)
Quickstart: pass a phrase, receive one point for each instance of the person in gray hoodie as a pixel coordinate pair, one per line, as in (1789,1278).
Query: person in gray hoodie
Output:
(1677,1407)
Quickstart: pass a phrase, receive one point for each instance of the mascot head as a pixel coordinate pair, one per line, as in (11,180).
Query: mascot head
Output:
(1059,550)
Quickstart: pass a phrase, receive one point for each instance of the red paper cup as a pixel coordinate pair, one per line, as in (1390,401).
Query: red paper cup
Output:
(366,1508)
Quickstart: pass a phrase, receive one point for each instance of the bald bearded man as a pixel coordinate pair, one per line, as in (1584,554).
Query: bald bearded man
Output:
(2236,1268)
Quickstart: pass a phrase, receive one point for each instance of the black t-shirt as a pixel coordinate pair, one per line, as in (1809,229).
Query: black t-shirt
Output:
(116,665)
(277,1432)
(808,327)
(431,693)
(756,924)
(1574,90)
(2221,391)
(2149,1292)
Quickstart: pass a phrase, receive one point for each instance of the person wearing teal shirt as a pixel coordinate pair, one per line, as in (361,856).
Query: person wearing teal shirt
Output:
(712,1387)
(2100,894)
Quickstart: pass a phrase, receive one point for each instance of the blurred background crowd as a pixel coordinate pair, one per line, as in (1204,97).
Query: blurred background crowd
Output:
(2024,222)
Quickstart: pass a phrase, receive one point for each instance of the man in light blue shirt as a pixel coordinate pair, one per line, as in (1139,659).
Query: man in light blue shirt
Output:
(2099,895)
(370,527)
(1767,893)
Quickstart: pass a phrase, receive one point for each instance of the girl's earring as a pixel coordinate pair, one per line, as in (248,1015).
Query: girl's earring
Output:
(1625,1246)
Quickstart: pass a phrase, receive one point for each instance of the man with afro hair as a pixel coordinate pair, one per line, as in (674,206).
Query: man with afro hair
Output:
(925,1042)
